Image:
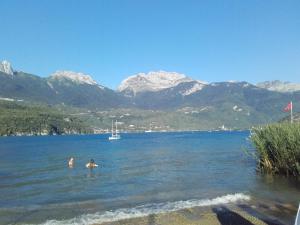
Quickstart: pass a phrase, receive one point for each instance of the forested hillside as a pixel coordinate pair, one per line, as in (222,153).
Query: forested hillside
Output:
(20,119)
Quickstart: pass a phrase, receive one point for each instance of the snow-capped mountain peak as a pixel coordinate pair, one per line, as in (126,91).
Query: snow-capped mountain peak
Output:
(6,67)
(75,77)
(153,81)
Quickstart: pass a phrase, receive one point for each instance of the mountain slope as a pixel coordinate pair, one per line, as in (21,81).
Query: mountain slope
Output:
(279,86)
(156,81)
(79,90)
(237,102)
(175,96)
(296,118)
(21,119)
(63,87)
(25,86)
(247,98)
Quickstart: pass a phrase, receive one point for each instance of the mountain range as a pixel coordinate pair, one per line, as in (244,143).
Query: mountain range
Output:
(62,87)
(239,104)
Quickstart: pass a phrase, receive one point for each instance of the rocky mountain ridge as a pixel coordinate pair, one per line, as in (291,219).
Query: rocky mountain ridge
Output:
(238,103)
(157,81)
(280,86)
(153,81)
(62,87)
(6,67)
(80,78)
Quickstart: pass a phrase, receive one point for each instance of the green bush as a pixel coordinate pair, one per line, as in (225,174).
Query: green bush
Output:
(278,148)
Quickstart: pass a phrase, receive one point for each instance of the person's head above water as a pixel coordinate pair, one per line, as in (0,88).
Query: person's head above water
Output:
(71,162)
(91,164)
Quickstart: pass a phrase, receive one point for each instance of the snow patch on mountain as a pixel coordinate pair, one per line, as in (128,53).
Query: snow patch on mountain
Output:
(196,87)
(280,86)
(6,67)
(154,81)
(11,99)
(75,77)
(237,109)
(50,85)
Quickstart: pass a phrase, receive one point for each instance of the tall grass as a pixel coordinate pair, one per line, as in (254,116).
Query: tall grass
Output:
(278,148)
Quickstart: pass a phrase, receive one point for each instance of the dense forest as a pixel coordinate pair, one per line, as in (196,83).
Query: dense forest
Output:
(21,119)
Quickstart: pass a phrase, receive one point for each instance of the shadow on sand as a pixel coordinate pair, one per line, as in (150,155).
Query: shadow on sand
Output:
(228,217)
(268,220)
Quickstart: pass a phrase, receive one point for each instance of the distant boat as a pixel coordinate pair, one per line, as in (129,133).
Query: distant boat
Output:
(114,135)
(149,131)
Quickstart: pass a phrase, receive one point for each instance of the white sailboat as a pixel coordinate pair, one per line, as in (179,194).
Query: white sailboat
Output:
(114,135)
(149,131)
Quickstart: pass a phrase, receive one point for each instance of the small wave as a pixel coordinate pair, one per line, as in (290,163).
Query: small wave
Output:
(148,209)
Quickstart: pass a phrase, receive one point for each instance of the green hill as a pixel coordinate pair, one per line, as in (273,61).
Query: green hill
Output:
(28,87)
(296,118)
(236,105)
(21,119)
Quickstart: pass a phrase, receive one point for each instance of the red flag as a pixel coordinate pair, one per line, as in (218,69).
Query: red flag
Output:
(289,107)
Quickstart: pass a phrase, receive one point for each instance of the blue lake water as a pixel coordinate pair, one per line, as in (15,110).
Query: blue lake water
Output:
(139,174)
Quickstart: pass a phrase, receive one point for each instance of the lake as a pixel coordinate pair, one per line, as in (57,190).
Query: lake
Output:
(137,175)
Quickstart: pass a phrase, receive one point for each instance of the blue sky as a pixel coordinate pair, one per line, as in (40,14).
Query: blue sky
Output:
(110,40)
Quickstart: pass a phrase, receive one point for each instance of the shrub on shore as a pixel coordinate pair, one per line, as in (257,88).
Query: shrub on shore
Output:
(278,148)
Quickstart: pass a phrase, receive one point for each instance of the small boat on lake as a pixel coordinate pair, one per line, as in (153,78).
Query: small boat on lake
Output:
(149,131)
(114,135)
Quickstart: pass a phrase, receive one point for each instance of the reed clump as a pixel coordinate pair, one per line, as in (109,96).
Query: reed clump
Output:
(278,148)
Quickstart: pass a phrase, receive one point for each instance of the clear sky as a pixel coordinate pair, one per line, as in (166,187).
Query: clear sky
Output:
(110,40)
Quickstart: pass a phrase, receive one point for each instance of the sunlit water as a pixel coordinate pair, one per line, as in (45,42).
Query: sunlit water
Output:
(139,174)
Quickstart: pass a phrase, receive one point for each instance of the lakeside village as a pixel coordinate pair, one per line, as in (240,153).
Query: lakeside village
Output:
(123,128)
(153,127)
(102,124)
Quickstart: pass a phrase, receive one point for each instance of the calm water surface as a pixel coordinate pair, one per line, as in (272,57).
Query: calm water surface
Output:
(140,172)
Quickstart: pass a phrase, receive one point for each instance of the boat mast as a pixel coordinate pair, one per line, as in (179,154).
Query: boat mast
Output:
(116,127)
(112,128)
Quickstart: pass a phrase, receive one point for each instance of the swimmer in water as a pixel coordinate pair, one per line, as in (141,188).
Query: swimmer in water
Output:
(91,164)
(71,162)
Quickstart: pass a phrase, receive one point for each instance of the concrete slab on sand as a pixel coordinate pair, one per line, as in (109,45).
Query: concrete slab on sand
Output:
(221,215)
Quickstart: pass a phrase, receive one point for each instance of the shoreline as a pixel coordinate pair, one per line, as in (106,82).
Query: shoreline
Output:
(241,212)
(250,212)
(123,132)
(223,214)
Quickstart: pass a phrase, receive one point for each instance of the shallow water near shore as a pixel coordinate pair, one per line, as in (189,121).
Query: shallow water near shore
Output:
(140,174)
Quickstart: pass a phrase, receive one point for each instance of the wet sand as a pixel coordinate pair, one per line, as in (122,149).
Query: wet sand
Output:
(259,214)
